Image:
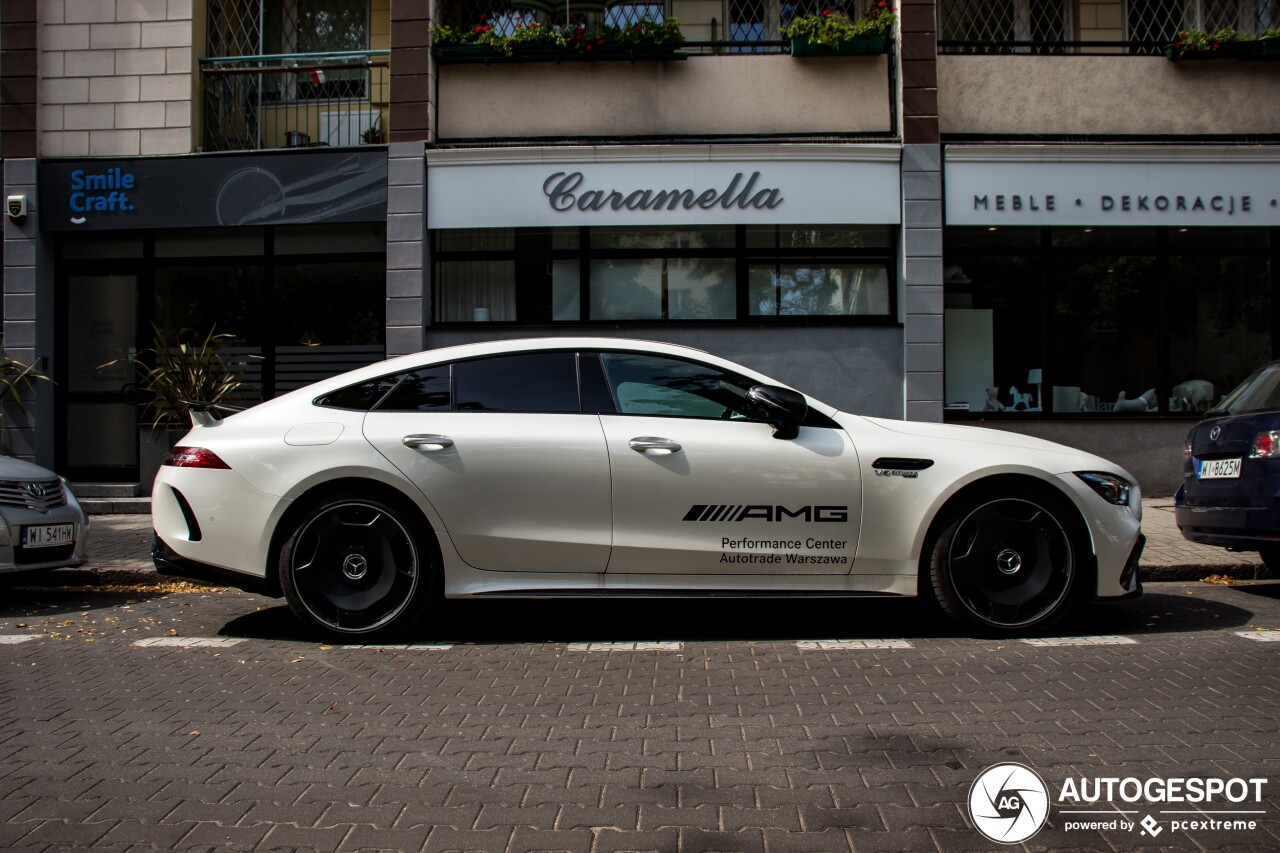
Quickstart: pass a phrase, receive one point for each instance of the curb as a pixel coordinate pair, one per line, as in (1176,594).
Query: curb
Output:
(1242,571)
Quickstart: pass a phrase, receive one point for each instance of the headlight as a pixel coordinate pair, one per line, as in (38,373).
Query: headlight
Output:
(1112,489)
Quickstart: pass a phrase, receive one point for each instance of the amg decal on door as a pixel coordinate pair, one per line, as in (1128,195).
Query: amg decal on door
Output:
(765,512)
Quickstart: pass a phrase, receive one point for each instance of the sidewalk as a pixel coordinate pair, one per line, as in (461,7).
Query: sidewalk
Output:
(119,546)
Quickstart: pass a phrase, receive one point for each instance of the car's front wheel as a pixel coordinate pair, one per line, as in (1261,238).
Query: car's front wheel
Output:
(357,567)
(1007,561)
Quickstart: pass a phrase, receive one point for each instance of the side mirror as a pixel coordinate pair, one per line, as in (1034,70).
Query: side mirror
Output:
(782,407)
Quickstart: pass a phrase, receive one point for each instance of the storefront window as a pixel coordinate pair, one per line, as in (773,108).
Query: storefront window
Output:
(710,274)
(1103,321)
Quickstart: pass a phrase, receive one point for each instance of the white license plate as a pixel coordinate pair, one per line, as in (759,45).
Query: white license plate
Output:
(48,535)
(1219,469)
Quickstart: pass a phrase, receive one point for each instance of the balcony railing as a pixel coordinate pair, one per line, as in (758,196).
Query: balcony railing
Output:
(296,100)
(1133,27)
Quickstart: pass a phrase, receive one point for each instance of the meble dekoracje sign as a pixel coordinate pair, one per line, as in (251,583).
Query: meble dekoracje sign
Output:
(652,185)
(1114,186)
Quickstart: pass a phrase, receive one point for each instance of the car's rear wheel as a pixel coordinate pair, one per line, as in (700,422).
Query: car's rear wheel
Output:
(1271,559)
(1007,562)
(357,567)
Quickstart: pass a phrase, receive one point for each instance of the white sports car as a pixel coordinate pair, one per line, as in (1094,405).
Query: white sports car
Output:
(606,467)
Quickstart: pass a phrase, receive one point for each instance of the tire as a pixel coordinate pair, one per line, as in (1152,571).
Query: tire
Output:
(1009,562)
(1271,559)
(358,567)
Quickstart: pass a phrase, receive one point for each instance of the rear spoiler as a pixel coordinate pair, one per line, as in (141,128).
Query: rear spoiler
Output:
(204,413)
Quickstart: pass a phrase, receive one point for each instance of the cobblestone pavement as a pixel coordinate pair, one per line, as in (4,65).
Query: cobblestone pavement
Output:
(133,718)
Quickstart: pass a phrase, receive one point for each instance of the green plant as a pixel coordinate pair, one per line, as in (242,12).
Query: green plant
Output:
(833,29)
(508,35)
(1203,41)
(186,372)
(16,378)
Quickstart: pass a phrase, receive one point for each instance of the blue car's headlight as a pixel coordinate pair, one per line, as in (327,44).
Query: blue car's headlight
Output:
(1112,489)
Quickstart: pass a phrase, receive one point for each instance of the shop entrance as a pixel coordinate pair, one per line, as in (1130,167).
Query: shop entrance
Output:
(101,382)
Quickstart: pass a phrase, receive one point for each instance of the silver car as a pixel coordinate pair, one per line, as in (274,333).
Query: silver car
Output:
(42,525)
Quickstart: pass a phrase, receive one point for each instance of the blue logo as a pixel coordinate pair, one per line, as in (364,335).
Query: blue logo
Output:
(105,191)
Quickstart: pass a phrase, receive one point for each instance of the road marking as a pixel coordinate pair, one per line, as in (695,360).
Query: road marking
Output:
(14,639)
(190,642)
(1082,641)
(626,647)
(1260,636)
(423,647)
(832,645)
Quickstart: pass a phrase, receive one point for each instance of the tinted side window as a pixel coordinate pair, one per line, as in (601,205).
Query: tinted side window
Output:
(529,382)
(425,390)
(668,387)
(360,397)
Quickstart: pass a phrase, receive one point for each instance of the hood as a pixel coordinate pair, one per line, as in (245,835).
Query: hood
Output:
(983,435)
(16,469)
(1070,458)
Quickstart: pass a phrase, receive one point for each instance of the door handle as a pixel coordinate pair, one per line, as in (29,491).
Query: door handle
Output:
(645,443)
(427,442)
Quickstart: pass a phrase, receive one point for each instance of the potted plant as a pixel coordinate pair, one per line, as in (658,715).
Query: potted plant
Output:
(1269,43)
(181,372)
(529,40)
(1220,44)
(832,34)
(16,378)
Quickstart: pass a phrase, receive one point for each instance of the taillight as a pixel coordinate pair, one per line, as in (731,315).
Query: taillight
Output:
(1265,444)
(1186,451)
(193,457)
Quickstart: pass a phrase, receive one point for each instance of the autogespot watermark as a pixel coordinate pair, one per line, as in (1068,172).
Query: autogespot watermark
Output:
(1010,803)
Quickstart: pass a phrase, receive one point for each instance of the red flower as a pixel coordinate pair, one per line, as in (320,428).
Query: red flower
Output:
(1216,45)
(484,17)
(588,47)
(479,29)
(826,11)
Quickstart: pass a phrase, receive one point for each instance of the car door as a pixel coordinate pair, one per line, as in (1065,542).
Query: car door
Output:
(502,450)
(700,486)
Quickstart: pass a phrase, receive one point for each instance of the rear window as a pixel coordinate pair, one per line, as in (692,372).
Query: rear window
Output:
(1259,393)
(362,397)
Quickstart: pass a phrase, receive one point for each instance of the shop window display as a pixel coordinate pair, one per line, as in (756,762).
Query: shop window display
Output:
(723,274)
(1134,322)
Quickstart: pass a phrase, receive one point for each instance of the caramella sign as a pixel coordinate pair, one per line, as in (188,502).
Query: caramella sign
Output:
(711,185)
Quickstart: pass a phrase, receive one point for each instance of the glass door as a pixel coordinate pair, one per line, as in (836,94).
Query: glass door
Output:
(100,381)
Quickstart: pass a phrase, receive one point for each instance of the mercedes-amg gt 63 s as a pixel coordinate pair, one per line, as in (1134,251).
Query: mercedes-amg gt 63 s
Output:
(606,467)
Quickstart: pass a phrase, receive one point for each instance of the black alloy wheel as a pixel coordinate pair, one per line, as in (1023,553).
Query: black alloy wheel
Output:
(1007,564)
(354,568)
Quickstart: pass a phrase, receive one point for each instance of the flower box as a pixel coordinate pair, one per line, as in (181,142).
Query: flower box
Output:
(483,53)
(1269,47)
(866,45)
(1199,46)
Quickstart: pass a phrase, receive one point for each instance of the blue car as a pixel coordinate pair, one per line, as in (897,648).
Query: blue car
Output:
(1230,492)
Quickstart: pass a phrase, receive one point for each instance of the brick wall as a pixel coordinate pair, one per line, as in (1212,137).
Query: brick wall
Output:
(115,77)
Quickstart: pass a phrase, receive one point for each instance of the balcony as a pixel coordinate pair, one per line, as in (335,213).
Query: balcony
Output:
(252,103)
(1054,67)
(732,78)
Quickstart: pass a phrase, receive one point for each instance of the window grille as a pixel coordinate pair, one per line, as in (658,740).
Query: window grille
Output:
(1047,26)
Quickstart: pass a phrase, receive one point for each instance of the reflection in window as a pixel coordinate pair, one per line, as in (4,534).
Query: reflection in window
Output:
(1105,334)
(1130,321)
(425,390)
(1222,326)
(663,289)
(809,290)
(534,382)
(667,387)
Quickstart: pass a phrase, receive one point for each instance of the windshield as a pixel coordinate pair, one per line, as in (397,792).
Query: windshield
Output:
(1259,392)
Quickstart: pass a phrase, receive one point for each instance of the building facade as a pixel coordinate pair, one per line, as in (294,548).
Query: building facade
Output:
(1020,216)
